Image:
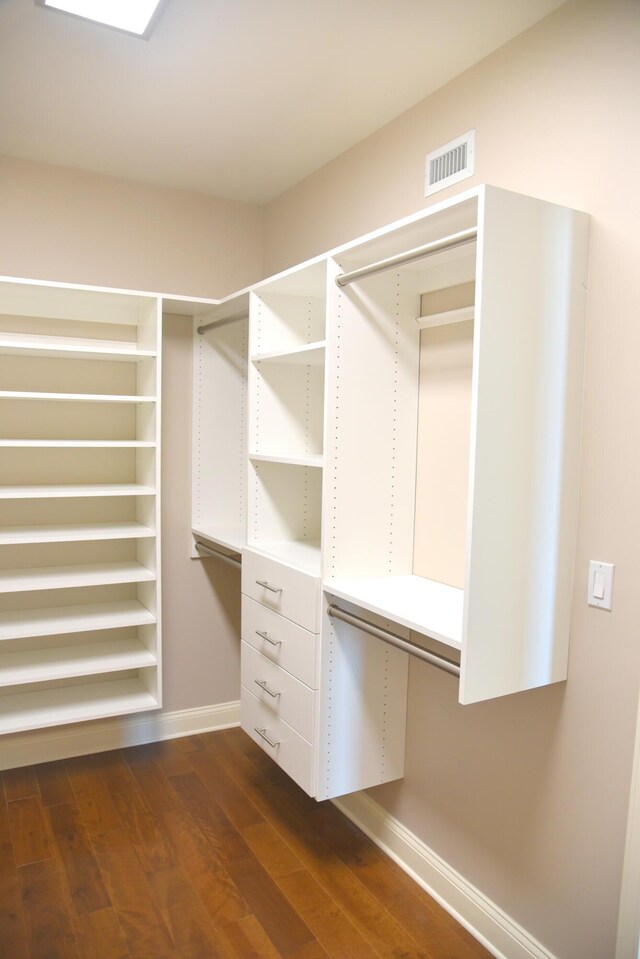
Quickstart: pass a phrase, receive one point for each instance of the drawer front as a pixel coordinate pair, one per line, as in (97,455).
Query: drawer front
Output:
(289,750)
(288,591)
(289,645)
(280,692)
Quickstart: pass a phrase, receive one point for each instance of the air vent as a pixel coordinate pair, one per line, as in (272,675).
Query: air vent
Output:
(450,163)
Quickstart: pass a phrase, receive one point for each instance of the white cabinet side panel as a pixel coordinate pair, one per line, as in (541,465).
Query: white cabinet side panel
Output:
(525,438)
(219,427)
(372,404)
(363,697)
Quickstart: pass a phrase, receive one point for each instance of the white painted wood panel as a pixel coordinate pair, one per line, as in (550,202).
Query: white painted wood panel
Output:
(363,694)
(525,441)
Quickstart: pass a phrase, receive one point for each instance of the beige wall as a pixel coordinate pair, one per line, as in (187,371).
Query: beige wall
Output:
(527,796)
(75,227)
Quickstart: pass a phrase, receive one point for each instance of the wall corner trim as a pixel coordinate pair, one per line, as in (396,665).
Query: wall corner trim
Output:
(81,739)
(489,924)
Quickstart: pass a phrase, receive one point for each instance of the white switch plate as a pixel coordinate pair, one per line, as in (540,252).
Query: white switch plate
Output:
(600,584)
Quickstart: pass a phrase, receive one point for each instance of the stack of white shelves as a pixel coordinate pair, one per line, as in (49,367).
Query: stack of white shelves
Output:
(287,373)
(79,504)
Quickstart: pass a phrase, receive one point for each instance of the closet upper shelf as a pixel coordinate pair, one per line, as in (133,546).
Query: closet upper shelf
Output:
(56,492)
(291,459)
(77,444)
(73,533)
(75,397)
(311,354)
(30,345)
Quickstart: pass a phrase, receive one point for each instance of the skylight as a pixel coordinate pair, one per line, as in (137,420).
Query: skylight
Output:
(134,16)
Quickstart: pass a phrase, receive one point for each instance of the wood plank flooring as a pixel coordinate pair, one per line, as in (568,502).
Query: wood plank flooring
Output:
(199,848)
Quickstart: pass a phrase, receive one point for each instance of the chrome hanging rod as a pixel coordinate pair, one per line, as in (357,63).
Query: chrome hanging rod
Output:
(448,665)
(428,249)
(217,554)
(222,322)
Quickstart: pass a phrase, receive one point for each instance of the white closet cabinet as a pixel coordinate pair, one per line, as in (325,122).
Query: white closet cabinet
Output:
(413,433)
(79,504)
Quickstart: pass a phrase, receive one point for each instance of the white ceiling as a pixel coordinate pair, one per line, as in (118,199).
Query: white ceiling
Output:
(235,98)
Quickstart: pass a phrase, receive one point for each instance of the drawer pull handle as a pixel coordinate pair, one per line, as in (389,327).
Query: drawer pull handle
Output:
(263,735)
(262,683)
(265,635)
(269,586)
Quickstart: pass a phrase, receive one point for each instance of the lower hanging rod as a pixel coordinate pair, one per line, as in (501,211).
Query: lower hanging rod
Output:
(217,554)
(428,249)
(222,322)
(448,665)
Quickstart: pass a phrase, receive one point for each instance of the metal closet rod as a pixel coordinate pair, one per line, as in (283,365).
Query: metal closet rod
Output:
(217,554)
(222,321)
(428,249)
(448,665)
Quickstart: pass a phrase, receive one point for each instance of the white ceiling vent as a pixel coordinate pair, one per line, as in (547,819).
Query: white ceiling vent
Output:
(450,163)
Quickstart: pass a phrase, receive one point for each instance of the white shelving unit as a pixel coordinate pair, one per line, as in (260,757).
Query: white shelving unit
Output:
(79,504)
(412,448)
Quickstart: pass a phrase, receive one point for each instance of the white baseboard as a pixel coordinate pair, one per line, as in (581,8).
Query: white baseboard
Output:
(497,931)
(62,742)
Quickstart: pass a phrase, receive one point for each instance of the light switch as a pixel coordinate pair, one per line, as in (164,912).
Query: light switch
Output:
(600,584)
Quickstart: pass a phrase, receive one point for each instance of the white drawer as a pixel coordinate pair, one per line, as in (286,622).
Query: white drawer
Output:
(286,590)
(281,692)
(289,645)
(289,750)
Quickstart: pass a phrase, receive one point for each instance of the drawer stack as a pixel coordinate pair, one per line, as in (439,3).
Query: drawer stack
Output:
(280,663)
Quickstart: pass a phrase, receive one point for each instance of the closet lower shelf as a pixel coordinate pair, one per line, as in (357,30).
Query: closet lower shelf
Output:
(61,705)
(67,662)
(84,618)
(428,607)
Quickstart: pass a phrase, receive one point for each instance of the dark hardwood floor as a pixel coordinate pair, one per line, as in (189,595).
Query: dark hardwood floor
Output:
(199,848)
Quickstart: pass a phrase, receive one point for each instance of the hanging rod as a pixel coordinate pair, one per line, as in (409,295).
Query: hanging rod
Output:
(428,249)
(412,648)
(222,322)
(217,554)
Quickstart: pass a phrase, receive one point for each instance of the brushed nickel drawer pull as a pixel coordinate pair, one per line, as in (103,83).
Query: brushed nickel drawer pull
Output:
(266,585)
(263,735)
(262,683)
(263,634)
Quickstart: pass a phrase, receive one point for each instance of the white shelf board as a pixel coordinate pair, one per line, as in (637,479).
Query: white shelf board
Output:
(60,620)
(445,319)
(312,354)
(76,444)
(423,605)
(73,704)
(290,459)
(67,577)
(233,538)
(65,662)
(67,348)
(57,492)
(301,554)
(77,397)
(87,532)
